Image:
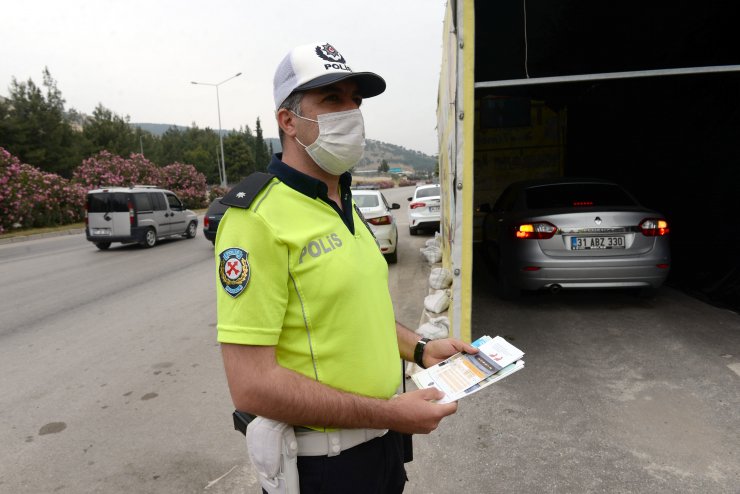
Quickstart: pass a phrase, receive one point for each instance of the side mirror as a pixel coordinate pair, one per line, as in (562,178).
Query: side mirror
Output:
(410,198)
(395,205)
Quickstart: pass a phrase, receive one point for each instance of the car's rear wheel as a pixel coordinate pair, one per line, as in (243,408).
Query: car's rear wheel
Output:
(102,245)
(412,230)
(392,258)
(150,238)
(192,230)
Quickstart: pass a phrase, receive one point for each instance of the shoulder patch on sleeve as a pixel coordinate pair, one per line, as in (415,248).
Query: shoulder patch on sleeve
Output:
(233,270)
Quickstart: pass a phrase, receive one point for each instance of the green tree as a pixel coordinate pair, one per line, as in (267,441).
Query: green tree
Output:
(239,157)
(383,168)
(33,127)
(205,161)
(109,131)
(149,145)
(203,150)
(261,153)
(172,146)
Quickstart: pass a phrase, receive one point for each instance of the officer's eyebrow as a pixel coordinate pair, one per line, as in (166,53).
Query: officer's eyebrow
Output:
(336,89)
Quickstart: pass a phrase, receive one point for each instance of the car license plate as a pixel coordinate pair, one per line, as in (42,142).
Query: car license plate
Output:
(101,231)
(433,209)
(585,243)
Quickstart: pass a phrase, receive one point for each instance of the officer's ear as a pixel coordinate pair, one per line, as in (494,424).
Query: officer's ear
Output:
(286,121)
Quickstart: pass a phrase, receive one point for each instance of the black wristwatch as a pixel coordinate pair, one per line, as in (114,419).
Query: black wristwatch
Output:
(419,352)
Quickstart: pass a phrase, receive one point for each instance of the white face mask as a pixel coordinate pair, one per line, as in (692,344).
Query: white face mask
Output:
(341,141)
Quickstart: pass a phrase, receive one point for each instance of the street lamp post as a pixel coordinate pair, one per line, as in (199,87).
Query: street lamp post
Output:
(222,171)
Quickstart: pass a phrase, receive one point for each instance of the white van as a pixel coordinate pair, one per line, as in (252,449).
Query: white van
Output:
(141,213)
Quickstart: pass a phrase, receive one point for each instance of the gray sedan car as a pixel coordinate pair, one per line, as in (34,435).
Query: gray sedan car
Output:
(574,233)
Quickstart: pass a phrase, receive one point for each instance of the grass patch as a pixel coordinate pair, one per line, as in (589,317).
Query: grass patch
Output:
(24,232)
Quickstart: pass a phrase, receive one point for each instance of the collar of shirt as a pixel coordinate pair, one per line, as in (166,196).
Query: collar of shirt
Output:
(315,188)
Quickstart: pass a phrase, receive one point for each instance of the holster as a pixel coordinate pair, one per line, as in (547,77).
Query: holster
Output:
(273,450)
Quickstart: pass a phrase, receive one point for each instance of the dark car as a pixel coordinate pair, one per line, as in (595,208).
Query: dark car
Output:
(574,233)
(212,218)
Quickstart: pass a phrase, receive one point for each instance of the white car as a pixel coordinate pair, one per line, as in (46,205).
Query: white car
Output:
(424,210)
(377,213)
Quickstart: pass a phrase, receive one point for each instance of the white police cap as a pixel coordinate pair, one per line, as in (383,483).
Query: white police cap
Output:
(316,65)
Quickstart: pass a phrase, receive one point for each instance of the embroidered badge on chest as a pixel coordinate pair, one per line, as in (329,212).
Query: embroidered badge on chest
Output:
(233,270)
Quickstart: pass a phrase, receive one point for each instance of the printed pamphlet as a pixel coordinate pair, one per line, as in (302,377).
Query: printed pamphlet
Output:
(464,374)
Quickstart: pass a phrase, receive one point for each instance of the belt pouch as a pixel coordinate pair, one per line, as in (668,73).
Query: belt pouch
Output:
(273,450)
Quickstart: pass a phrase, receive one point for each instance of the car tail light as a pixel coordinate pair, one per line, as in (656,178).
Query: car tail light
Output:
(381,220)
(583,203)
(206,222)
(654,227)
(539,231)
(415,205)
(131,214)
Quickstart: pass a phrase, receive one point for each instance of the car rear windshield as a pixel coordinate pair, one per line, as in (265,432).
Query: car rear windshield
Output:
(427,192)
(366,201)
(107,202)
(577,195)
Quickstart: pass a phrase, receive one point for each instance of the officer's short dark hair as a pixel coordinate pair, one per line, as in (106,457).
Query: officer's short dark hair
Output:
(292,103)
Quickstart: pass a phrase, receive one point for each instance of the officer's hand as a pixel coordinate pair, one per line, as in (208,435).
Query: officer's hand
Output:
(438,350)
(415,413)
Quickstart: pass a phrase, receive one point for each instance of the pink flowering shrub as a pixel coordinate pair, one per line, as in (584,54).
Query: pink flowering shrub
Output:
(31,198)
(217,191)
(106,169)
(187,182)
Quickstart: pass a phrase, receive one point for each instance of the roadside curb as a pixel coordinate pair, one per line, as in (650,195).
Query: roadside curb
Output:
(23,238)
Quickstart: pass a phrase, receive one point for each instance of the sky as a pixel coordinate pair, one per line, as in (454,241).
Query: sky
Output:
(138,57)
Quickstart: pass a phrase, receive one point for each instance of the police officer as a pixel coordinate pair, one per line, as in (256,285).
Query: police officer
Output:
(305,318)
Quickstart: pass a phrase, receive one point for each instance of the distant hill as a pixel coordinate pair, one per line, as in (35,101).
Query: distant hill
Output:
(396,157)
(375,151)
(159,129)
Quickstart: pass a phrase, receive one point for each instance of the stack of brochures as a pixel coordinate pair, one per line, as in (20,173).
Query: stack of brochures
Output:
(464,374)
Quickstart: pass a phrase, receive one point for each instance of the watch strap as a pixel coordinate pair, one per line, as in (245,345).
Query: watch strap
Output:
(419,352)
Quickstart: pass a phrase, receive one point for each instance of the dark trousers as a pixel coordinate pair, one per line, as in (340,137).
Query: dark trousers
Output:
(374,467)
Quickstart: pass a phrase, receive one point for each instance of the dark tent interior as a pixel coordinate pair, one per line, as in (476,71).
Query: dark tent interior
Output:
(670,139)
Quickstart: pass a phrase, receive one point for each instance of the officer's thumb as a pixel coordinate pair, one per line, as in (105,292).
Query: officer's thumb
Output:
(432,394)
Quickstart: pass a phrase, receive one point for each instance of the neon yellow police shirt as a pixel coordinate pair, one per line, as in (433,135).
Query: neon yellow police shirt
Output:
(312,288)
